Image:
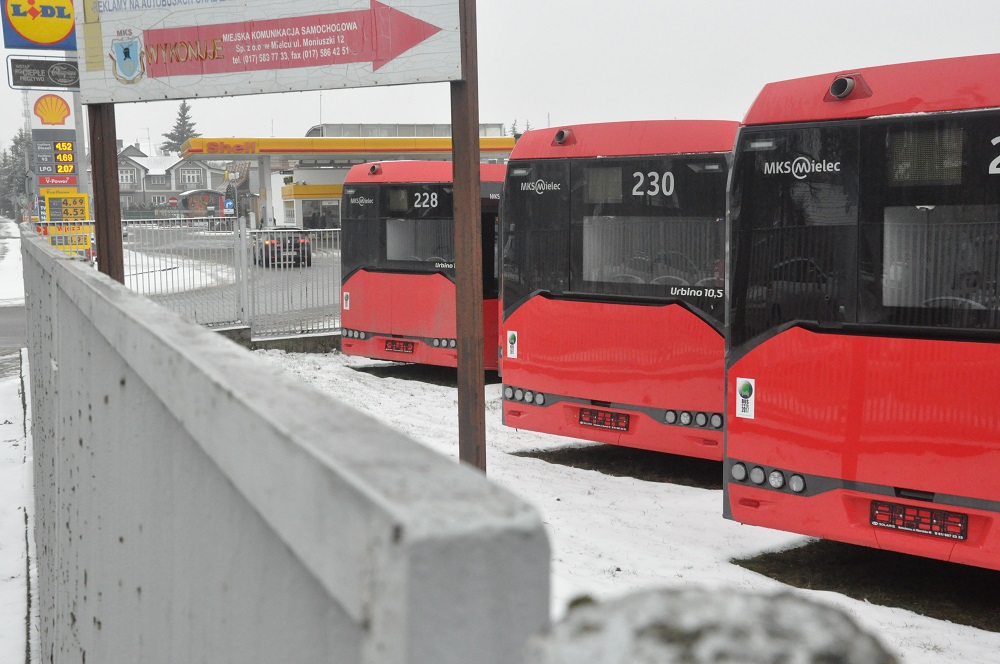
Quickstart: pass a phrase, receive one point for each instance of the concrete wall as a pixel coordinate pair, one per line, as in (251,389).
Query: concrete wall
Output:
(196,505)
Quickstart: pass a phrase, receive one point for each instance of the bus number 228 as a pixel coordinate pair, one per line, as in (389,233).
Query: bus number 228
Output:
(653,183)
(423,199)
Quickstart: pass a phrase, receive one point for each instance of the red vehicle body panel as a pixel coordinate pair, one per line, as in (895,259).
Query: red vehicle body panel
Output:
(628,139)
(409,306)
(950,84)
(397,172)
(617,353)
(912,414)
(657,357)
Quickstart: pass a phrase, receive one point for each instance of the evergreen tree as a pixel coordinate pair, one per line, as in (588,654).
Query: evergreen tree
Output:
(513,128)
(13,170)
(183,130)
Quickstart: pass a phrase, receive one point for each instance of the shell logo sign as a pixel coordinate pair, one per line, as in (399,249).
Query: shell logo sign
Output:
(39,24)
(51,110)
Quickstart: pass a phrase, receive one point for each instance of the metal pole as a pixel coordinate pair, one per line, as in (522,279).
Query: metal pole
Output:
(468,247)
(107,205)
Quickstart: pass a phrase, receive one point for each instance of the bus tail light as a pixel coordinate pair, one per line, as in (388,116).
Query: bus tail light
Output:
(797,483)
(512,393)
(757,475)
(738,472)
(776,479)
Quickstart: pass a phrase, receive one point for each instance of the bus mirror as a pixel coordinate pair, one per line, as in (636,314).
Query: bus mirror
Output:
(842,87)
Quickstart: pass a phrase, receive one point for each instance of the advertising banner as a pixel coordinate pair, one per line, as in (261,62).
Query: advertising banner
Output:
(46,73)
(134,50)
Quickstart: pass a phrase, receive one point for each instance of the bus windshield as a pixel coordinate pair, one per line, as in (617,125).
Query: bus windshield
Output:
(893,223)
(650,227)
(411,228)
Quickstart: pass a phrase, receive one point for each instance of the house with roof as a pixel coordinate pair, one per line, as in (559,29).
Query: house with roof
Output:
(150,183)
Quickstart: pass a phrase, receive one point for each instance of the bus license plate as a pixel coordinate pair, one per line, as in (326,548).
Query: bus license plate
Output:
(397,346)
(604,419)
(939,523)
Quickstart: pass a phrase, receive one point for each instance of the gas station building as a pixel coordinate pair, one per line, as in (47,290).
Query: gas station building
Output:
(309,172)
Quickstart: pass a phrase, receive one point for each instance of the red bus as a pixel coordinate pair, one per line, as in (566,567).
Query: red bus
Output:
(864,313)
(398,262)
(613,246)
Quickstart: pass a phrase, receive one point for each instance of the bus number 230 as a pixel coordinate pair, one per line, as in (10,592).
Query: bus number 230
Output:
(653,183)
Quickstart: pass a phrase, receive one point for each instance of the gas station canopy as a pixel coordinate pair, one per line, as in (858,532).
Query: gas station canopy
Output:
(337,151)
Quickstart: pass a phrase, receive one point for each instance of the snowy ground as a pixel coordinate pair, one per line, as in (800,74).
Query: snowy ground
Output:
(609,535)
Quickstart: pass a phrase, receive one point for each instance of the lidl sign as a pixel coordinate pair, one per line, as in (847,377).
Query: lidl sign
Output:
(39,24)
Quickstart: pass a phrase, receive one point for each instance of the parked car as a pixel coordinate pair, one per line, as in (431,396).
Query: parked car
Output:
(283,248)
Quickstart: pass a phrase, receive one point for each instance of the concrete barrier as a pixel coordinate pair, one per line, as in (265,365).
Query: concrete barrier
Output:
(195,504)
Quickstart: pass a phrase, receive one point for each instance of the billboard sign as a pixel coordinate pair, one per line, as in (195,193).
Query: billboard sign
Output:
(39,24)
(135,50)
(46,73)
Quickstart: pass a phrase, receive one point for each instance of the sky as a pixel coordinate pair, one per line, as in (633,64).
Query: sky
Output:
(558,62)
(609,535)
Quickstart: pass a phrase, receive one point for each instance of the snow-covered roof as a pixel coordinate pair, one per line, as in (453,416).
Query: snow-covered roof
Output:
(157,165)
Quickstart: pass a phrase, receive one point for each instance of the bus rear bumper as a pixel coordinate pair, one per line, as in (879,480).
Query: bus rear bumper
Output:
(643,432)
(847,516)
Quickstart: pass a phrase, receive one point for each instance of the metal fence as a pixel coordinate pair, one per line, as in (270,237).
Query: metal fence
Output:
(279,282)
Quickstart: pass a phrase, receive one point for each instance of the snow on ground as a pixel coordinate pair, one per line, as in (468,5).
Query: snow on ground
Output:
(16,498)
(11,281)
(611,535)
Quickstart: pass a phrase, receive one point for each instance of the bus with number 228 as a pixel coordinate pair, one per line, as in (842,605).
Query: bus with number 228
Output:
(398,262)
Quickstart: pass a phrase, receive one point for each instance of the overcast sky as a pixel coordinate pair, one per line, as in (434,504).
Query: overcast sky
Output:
(556,62)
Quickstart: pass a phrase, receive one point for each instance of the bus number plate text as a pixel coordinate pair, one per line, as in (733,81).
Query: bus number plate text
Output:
(938,523)
(604,419)
(397,346)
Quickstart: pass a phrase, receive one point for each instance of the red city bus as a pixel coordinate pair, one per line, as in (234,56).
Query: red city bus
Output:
(864,313)
(613,246)
(398,262)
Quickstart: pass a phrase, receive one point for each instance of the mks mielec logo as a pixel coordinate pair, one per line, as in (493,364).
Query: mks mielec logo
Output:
(39,24)
(801,167)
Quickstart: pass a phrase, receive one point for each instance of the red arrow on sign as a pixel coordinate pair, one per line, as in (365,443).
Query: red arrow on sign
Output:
(377,35)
